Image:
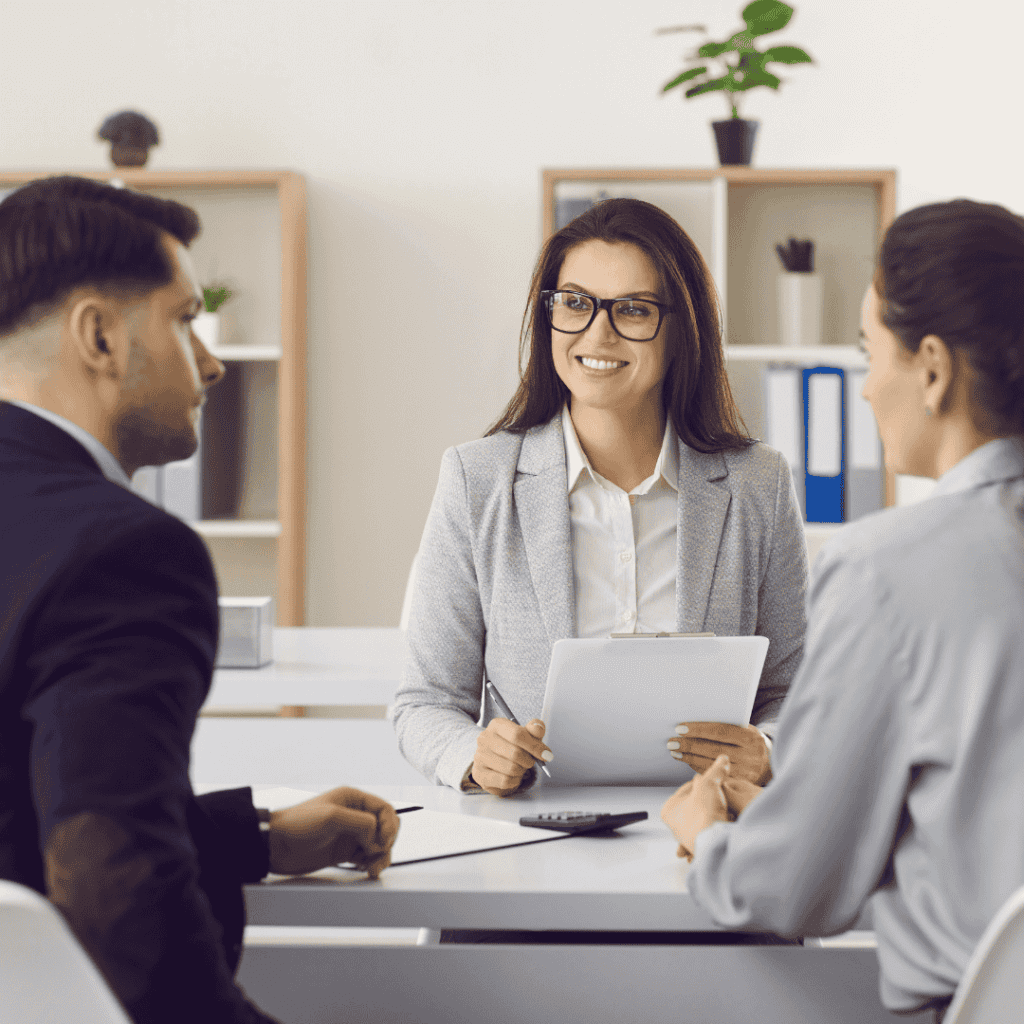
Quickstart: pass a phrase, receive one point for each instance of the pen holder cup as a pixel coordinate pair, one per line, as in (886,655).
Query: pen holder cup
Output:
(800,309)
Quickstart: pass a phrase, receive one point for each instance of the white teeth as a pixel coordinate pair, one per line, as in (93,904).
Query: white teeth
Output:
(599,364)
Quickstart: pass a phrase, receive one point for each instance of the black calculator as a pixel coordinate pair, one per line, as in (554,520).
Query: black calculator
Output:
(581,821)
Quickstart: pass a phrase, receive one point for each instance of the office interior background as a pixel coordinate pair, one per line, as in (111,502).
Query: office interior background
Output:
(422,126)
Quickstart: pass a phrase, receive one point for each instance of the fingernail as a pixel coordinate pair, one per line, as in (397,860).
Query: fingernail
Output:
(547,755)
(673,744)
(681,730)
(678,757)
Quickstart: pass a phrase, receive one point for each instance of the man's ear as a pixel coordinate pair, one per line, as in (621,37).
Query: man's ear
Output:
(85,325)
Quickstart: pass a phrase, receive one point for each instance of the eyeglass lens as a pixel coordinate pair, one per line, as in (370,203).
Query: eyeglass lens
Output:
(635,319)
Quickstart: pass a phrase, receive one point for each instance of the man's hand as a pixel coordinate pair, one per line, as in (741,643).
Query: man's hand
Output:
(340,826)
(696,805)
(699,743)
(505,752)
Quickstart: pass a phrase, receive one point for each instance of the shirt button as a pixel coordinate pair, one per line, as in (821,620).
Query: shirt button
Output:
(625,555)
(626,616)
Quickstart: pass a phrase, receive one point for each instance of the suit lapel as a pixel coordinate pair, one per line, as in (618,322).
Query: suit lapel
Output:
(704,499)
(542,504)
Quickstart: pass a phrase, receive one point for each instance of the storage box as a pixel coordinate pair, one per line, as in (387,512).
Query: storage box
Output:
(246,632)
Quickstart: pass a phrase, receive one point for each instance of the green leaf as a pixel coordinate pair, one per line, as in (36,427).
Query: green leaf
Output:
(742,40)
(757,78)
(684,77)
(752,60)
(713,49)
(787,55)
(764,16)
(716,86)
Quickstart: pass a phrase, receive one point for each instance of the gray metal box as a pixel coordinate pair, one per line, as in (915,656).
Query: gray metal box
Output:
(246,632)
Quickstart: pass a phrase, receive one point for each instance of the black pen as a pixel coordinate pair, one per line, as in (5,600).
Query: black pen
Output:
(504,709)
(402,810)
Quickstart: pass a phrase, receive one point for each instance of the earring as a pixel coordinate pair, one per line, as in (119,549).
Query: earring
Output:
(927,410)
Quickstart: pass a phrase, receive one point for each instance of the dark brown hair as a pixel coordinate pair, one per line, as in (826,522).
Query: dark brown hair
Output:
(956,270)
(695,392)
(60,233)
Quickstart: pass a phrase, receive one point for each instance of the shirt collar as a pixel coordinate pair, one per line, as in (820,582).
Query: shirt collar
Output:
(1001,459)
(576,461)
(109,466)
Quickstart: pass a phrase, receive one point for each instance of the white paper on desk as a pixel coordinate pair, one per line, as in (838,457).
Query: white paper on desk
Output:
(428,834)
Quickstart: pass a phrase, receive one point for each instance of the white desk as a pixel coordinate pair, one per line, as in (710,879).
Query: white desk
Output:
(318,666)
(632,882)
(354,671)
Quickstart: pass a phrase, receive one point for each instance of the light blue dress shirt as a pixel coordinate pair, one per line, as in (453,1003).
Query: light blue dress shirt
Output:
(109,466)
(899,752)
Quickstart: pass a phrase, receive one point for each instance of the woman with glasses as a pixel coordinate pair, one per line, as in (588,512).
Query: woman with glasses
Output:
(909,703)
(616,493)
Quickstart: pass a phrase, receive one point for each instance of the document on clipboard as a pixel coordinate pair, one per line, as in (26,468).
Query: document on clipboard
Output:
(611,705)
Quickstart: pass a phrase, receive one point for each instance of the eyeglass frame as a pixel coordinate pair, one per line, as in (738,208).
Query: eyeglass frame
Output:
(605,304)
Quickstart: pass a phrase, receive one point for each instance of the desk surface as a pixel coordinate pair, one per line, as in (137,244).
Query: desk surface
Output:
(318,666)
(631,881)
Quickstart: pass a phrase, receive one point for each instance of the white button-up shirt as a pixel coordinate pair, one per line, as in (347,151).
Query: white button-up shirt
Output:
(623,545)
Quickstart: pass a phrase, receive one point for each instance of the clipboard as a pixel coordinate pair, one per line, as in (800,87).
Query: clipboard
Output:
(611,705)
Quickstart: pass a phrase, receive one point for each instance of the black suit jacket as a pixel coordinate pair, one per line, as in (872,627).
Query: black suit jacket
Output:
(108,636)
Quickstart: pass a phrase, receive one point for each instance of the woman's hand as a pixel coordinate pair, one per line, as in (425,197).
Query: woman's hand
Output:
(739,794)
(337,827)
(699,743)
(696,805)
(505,752)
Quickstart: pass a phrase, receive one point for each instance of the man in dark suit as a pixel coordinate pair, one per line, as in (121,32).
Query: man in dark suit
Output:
(109,619)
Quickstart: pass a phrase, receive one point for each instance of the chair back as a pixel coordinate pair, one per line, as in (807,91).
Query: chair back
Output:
(45,975)
(992,988)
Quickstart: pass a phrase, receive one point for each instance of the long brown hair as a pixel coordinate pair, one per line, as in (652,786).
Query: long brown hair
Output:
(956,270)
(695,392)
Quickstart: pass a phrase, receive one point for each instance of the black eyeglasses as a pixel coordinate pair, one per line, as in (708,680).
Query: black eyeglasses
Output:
(633,319)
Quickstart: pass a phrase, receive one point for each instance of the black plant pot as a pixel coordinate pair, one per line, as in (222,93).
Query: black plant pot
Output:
(735,139)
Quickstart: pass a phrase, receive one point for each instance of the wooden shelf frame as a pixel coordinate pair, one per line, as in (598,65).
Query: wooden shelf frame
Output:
(292,405)
(882,180)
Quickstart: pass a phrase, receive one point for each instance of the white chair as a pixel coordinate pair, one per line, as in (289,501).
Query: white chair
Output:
(45,975)
(992,988)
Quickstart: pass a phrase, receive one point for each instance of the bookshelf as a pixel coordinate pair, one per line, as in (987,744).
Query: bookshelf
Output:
(254,237)
(735,215)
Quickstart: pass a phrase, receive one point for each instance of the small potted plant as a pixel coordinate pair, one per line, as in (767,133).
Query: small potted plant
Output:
(207,323)
(130,136)
(735,136)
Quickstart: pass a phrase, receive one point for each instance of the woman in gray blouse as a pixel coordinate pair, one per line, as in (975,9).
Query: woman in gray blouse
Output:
(616,493)
(898,767)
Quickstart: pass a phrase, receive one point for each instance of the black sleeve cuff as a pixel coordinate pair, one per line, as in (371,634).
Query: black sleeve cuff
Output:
(238,827)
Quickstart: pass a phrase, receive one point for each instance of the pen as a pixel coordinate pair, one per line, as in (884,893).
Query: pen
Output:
(402,810)
(505,710)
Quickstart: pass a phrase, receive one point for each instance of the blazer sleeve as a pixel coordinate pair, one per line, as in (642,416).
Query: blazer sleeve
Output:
(437,706)
(781,604)
(120,657)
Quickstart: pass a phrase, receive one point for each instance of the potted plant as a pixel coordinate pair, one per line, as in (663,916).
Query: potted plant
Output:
(130,136)
(735,136)
(207,323)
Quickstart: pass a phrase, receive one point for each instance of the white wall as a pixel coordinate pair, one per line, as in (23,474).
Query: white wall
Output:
(422,127)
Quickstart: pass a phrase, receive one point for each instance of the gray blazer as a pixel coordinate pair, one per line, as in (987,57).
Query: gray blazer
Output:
(494,582)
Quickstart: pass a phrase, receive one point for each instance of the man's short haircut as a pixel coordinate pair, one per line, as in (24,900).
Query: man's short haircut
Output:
(61,233)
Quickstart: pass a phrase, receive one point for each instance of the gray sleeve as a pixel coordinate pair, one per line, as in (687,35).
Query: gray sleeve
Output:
(437,705)
(781,604)
(806,855)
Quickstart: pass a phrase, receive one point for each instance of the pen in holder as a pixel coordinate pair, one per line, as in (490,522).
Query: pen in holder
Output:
(800,295)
